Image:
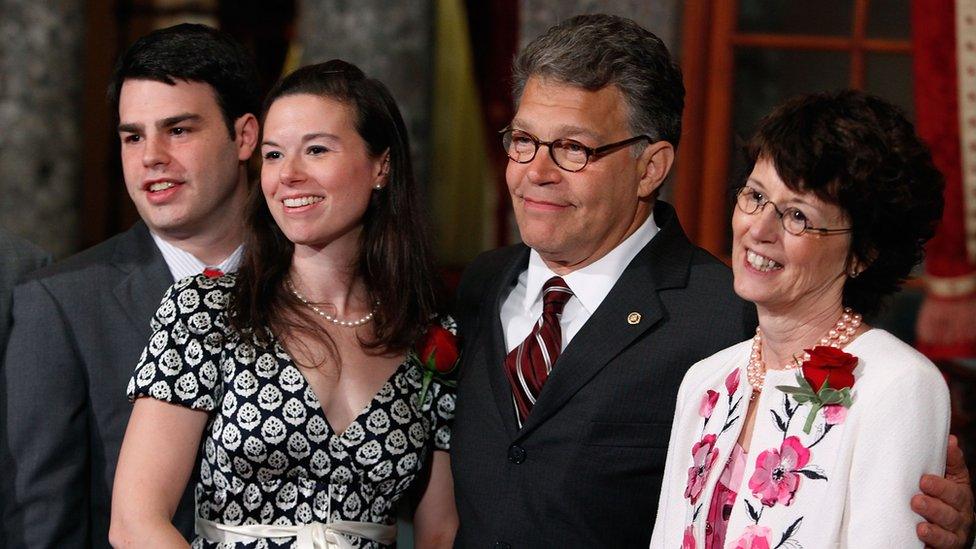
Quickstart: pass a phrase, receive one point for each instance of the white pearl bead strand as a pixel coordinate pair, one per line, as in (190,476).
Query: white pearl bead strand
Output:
(330,318)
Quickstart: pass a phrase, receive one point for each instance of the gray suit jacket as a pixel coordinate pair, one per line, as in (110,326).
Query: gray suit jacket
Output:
(17,258)
(585,469)
(79,328)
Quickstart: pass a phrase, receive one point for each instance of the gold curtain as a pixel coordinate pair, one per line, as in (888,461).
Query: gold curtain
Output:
(461,183)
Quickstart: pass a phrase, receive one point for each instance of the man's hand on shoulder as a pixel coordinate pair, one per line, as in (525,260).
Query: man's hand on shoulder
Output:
(947,504)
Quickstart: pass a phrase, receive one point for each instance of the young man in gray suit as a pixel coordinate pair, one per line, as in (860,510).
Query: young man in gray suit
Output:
(577,340)
(186,99)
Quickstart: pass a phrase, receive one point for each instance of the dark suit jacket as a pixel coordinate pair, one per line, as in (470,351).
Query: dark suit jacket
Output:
(79,328)
(585,470)
(17,258)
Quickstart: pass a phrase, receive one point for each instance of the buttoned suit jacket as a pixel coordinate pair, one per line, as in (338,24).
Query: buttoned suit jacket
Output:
(585,469)
(79,328)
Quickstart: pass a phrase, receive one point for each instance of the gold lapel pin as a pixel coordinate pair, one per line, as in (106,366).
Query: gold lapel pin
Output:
(634,318)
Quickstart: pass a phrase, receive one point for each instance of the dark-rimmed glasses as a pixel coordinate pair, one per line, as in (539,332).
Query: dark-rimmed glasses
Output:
(795,222)
(568,154)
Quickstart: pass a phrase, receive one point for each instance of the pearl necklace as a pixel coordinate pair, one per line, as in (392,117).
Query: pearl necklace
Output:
(840,335)
(330,318)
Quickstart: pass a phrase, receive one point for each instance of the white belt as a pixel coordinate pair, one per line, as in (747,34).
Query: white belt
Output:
(316,535)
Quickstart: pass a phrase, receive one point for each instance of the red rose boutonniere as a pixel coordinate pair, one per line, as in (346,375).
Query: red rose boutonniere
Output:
(437,353)
(826,380)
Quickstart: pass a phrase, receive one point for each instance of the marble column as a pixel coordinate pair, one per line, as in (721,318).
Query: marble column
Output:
(390,41)
(41,67)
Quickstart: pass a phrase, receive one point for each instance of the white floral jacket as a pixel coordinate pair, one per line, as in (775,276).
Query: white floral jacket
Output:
(847,483)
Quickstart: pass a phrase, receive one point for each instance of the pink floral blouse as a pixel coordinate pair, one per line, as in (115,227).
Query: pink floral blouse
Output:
(845,483)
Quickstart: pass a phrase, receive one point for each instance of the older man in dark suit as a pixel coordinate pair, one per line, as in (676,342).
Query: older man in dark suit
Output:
(563,421)
(577,340)
(186,99)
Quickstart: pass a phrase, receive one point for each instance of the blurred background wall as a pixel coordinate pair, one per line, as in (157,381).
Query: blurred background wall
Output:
(447,63)
(41,81)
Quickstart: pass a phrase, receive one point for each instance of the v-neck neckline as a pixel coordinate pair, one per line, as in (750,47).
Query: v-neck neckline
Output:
(367,407)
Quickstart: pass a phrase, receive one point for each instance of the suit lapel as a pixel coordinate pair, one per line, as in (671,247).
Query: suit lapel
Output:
(495,340)
(663,263)
(146,276)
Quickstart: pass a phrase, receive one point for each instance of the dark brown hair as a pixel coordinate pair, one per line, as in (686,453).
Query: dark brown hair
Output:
(195,53)
(859,152)
(395,253)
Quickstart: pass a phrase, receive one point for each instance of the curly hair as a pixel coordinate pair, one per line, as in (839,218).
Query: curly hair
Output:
(859,152)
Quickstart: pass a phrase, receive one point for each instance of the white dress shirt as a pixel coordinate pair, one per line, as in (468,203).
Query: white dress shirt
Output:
(182,263)
(522,307)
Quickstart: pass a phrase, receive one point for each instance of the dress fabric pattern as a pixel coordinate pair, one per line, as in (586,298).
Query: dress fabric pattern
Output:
(269,456)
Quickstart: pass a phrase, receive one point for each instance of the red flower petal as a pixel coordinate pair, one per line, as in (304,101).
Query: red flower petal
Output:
(829,364)
(440,346)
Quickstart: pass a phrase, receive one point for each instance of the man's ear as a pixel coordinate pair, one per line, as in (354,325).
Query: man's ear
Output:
(246,136)
(654,165)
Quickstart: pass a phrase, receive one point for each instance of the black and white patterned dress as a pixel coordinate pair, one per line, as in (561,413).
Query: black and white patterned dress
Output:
(268,454)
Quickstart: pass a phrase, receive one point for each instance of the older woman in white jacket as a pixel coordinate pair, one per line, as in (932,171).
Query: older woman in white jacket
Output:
(815,432)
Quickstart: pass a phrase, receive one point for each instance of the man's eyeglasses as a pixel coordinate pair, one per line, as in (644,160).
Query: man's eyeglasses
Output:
(568,154)
(794,221)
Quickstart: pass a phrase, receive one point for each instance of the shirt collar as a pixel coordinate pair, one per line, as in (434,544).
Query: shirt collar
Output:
(182,263)
(592,283)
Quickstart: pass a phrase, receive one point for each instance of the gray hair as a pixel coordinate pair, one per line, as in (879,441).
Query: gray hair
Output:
(596,50)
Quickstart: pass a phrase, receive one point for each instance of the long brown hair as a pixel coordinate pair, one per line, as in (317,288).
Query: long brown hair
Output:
(395,252)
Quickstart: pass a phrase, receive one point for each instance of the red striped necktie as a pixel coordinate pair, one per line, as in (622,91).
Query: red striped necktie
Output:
(529,364)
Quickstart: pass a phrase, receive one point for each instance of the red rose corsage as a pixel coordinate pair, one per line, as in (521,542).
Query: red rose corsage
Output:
(437,355)
(826,380)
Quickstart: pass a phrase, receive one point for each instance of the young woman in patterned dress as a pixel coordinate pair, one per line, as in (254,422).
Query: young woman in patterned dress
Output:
(294,378)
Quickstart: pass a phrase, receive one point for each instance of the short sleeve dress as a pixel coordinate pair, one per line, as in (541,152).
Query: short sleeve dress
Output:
(268,455)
